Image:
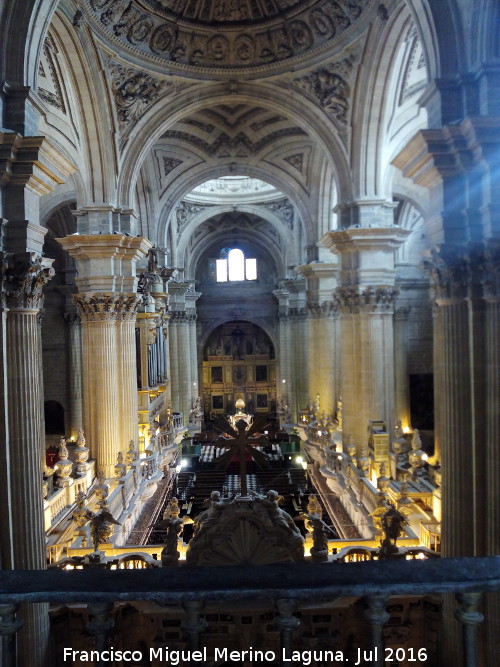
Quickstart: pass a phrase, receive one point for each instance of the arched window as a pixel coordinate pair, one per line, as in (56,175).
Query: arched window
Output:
(235,266)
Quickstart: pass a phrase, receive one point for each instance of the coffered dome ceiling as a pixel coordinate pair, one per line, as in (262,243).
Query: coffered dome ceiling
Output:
(226,35)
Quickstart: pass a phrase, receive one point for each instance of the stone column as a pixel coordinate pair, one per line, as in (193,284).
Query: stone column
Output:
(283,378)
(107,302)
(321,346)
(101,390)
(23,542)
(30,167)
(75,393)
(174,362)
(401,376)
(346,300)
(191,298)
(366,301)
(127,370)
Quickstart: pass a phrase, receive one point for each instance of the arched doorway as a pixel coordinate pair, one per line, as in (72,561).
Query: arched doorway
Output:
(239,363)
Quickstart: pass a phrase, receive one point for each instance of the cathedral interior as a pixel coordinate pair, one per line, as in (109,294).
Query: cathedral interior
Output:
(249,334)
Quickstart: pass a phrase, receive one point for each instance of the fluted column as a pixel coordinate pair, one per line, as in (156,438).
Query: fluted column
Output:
(401,376)
(173,330)
(23,539)
(75,394)
(297,318)
(350,383)
(191,297)
(321,347)
(127,370)
(283,379)
(100,314)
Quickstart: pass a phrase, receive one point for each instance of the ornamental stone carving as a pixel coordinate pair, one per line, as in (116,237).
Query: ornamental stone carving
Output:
(185,212)
(448,273)
(284,210)
(330,88)
(133,92)
(371,298)
(22,281)
(324,309)
(101,307)
(186,34)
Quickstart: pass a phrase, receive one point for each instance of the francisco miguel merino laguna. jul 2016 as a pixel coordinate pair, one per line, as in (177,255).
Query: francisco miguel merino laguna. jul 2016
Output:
(179,657)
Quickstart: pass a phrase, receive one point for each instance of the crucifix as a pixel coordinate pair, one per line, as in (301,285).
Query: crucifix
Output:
(241,442)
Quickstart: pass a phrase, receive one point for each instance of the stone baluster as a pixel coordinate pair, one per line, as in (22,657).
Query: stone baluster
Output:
(378,616)
(469,616)
(286,623)
(9,625)
(99,625)
(193,624)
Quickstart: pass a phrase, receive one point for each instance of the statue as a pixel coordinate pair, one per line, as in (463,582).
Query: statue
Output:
(173,525)
(319,550)
(214,506)
(392,526)
(101,488)
(198,408)
(101,525)
(241,442)
(82,514)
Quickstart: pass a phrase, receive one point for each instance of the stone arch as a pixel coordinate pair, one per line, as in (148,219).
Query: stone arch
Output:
(208,331)
(281,184)
(205,215)
(161,116)
(378,83)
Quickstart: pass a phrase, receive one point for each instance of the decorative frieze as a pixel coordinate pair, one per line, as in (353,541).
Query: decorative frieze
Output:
(22,281)
(101,307)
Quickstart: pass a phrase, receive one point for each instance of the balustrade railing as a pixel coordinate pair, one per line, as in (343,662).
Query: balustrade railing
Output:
(288,585)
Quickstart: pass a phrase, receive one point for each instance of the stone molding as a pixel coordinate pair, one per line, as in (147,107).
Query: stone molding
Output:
(22,280)
(102,307)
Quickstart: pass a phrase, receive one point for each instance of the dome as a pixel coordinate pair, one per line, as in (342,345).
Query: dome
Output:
(225,35)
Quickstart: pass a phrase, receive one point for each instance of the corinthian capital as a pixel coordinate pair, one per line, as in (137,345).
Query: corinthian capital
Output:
(105,307)
(22,280)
